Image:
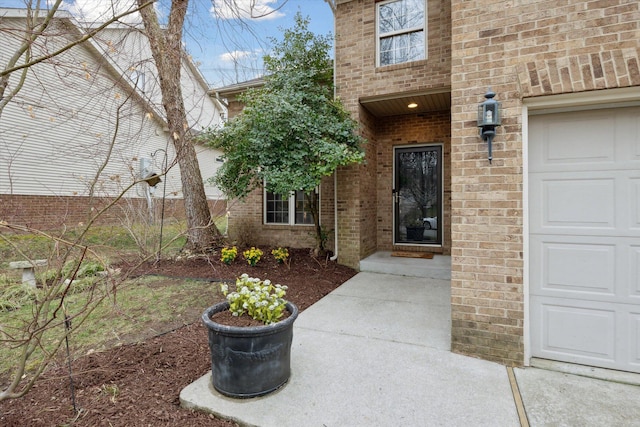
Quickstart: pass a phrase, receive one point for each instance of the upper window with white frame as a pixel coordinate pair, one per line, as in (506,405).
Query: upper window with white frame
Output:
(401,31)
(292,210)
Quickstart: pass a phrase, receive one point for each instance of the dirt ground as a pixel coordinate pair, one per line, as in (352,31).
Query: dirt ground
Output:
(139,384)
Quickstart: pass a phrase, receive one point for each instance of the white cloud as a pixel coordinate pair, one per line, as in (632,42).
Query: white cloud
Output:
(235,56)
(100,10)
(246,9)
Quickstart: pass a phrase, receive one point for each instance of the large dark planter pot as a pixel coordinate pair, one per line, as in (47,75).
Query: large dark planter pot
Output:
(249,361)
(415,233)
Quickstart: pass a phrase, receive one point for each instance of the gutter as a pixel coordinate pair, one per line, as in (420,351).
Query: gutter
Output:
(335,215)
(335,172)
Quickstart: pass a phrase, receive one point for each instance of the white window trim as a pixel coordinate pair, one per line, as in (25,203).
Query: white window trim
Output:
(292,209)
(403,31)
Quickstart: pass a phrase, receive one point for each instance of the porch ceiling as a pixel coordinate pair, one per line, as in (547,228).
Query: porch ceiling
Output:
(396,104)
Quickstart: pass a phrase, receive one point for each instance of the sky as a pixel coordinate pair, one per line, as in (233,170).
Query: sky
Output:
(227,50)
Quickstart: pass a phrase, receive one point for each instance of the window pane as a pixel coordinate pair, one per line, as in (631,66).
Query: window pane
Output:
(400,15)
(415,13)
(277,209)
(386,51)
(402,48)
(416,46)
(303,213)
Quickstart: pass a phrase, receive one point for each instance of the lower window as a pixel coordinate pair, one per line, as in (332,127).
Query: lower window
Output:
(297,208)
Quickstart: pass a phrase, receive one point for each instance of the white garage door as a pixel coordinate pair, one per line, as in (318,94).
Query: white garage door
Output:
(584,208)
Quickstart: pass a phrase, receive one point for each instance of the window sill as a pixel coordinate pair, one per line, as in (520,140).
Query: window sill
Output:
(282,226)
(394,67)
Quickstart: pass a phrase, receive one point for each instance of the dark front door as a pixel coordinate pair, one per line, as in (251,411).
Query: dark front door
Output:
(417,195)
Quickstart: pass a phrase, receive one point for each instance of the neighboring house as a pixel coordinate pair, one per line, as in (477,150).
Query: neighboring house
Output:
(90,122)
(545,239)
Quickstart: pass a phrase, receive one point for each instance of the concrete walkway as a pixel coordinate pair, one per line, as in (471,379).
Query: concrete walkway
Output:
(375,352)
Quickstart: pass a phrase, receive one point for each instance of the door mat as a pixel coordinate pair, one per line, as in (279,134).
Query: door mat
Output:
(422,255)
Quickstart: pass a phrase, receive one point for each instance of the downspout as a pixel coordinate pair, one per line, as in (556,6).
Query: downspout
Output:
(335,215)
(335,172)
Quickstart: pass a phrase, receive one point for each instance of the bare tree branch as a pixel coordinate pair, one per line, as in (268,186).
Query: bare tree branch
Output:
(32,32)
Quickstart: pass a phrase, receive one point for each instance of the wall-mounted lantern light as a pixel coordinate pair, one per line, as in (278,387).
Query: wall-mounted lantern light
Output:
(489,117)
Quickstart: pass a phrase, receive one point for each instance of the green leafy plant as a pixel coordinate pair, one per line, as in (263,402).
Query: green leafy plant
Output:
(280,254)
(293,132)
(260,299)
(228,255)
(253,256)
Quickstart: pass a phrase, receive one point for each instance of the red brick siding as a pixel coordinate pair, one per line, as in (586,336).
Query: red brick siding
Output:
(53,212)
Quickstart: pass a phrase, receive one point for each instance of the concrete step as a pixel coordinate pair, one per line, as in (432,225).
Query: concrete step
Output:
(382,262)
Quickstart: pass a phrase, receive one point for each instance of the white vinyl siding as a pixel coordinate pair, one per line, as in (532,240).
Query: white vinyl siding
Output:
(74,115)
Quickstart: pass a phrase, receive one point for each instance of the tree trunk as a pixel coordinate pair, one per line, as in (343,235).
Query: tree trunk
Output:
(166,47)
(313,205)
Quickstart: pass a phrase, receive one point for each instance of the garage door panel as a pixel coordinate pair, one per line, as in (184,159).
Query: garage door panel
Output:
(573,138)
(576,332)
(585,267)
(579,268)
(583,202)
(634,274)
(597,203)
(634,203)
(628,127)
(634,340)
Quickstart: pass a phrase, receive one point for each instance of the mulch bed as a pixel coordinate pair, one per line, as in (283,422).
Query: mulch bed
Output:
(139,384)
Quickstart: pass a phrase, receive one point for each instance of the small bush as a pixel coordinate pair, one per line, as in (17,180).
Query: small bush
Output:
(280,254)
(228,255)
(252,256)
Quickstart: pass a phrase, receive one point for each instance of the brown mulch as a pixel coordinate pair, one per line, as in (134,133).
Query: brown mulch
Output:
(139,384)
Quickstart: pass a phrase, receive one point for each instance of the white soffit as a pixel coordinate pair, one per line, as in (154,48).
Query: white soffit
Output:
(397,104)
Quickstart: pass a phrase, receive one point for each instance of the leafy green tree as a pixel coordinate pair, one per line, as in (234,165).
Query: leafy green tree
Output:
(292,131)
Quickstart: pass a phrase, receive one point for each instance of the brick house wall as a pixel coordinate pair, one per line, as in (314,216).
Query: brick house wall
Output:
(520,50)
(247,227)
(362,193)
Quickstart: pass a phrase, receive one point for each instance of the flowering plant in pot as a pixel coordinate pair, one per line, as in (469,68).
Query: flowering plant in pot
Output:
(249,361)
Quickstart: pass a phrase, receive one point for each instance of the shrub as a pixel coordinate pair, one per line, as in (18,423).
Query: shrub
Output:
(280,254)
(228,255)
(252,256)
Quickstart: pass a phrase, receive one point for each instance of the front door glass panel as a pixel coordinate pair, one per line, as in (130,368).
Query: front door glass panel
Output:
(417,195)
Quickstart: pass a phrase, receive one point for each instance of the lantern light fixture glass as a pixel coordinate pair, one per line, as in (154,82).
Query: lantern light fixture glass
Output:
(412,105)
(489,117)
